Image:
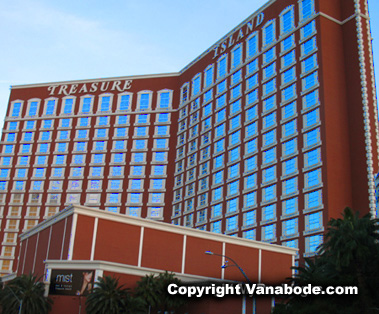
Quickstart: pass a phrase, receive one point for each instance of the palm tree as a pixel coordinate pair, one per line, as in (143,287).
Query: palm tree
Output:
(350,244)
(148,290)
(24,294)
(107,297)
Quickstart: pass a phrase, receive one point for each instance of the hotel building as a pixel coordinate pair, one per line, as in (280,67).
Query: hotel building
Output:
(267,135)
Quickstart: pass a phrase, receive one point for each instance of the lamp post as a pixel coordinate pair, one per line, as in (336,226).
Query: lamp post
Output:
(226,264)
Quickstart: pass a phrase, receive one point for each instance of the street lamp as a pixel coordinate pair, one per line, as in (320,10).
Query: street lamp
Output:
(226,264)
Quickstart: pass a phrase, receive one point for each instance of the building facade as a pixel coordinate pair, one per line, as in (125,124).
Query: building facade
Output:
(267,135)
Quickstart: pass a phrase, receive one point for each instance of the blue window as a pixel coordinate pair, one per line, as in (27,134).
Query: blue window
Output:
(269,120)
(59,159)
(162,130)
(219,146)
(252,97)
(80,146)
(269,138)
(290,147)
(251,163)
(99,145)
(116,171)
(45,135)
(16,109)
(268,212)
(235,122)
(289,128)
(119,144)
(122,119)
(289,110)
(207,110)
(311,118)
(252,113)
(216,211)
(312,157)
(252,129)
(290,166)
(159,170)
(209,76)
(139,157)
(231,223)
(82,133)
(222,62)
(21,173)
(144,101)
(161,143)
(313,199)
(33,108)
(310,81)
(24,160)
(217,194)
(269,103)
(142,118)
(63,135)
(252,45)
(309,64)
(9,149)
(288,76)
(57,172)
(220,116)
(252,66)
(101,132)
(41,160)
(290,227)
(114,198)
(313,178)
(47,124)
(234,154)
(269,71)
(269,87)
(78,159)
(105,103)
(13,125)
(289,92)
(269,55)
(3,185)
(4,173)
(251,181)
(164,100)
(103,121)
(308,29)
(309,46)
(251,200)
(219,161)
(237,56)
(313,221)
(39,172)
(83,121)
(120,132)
(220,130)
(219,177)
(157,184)
(124,103)
(12,136)
(290,186)
(288,43)
(196,85)
(311,99)
(269,34)
(233,188)
(86,105)
(269,174)
(235,138)
(287,21)
(290,206)
(234,171)
(136,184)
(37,185)
(6,161)
(50,107)
(312,243)
(235,107)
(96,171)
(137,170)
(98,158)
(312,137)
(221,101)
(307,9)
(26,148)
(269,155)
(288,59)
(163,117)
(65,123)
(68,106)
(140,144)
(62,147)
(236,77)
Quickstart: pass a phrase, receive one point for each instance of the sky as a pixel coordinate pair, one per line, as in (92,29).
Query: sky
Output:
(49,40)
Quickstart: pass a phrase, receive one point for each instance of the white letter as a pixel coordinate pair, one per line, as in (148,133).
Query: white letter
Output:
(170,291)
